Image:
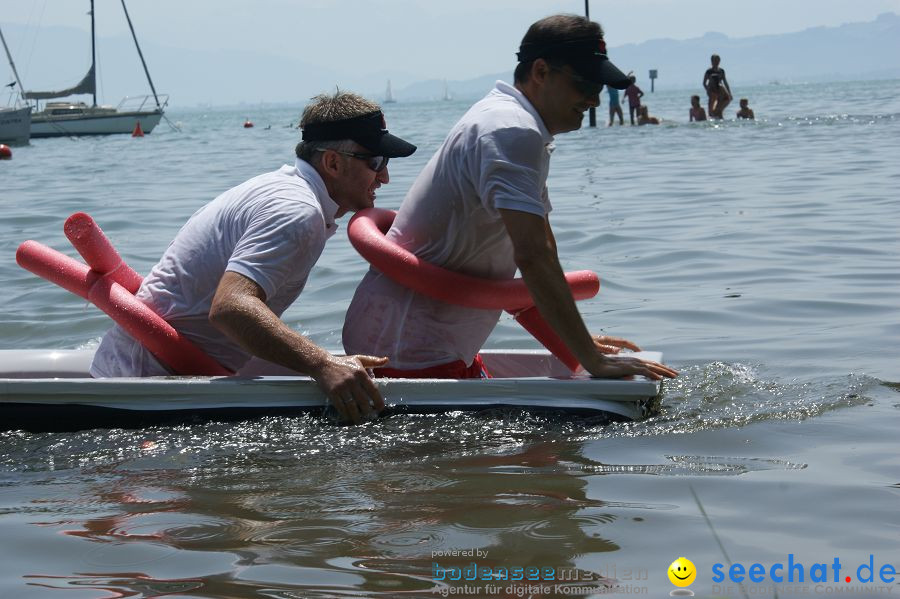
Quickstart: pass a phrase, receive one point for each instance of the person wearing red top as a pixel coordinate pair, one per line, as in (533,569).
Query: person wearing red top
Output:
(633,93)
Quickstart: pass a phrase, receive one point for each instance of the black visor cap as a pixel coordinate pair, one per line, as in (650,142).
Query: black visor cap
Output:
(587,56)
(367,130)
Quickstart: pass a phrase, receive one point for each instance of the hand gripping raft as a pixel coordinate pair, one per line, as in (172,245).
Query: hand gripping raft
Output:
(110,284)
(367,234)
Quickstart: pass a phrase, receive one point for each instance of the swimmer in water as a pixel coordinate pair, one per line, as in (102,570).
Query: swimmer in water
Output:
(745,112)
(696,113)
(644,117)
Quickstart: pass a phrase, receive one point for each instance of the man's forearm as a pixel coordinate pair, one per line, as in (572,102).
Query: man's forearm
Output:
(551,294)
(535,254)
(249,323)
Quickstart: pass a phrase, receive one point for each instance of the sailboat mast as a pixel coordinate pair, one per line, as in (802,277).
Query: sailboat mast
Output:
(93,53)
(12,65)
(141,54)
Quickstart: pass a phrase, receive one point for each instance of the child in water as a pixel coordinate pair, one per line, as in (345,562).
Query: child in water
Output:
(745,112)
(696,113)
(633,93)
(644,117)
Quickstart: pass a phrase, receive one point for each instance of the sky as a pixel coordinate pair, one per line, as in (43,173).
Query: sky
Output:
(415,40)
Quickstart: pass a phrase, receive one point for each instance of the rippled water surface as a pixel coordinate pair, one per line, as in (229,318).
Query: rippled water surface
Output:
(760,257)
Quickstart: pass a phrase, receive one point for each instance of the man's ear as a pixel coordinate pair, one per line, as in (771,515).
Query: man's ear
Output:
(330,163)
(540,68)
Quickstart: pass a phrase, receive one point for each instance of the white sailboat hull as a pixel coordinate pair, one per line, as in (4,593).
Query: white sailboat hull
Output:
(44,125)
(15,125)
(52,390)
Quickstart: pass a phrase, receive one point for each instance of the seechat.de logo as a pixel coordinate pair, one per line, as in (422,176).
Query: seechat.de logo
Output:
(797,571)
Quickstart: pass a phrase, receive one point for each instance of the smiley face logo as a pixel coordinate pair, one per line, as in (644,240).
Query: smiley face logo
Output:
(682,572)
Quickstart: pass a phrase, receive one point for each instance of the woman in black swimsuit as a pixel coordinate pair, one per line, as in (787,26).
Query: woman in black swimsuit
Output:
(716,88)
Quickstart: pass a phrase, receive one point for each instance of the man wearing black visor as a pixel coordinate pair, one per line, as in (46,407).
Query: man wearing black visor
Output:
(480,207)
(242,259)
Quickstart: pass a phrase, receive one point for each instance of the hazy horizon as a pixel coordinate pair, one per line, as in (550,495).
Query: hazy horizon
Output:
(275,50)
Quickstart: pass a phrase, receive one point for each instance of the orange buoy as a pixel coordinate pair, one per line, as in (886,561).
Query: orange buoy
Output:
(5,152)
(138,132)
(247,124)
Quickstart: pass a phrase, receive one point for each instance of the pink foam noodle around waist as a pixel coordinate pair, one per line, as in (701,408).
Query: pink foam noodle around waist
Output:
(367,235)
(98,251)
(106,291)
(168,345)
(56,267)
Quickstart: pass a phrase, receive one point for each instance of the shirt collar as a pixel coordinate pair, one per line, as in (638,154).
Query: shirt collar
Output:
(329,207)
(506,88)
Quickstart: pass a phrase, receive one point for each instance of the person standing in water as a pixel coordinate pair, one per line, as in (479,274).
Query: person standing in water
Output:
(615,106)
(717,88)
(633,93)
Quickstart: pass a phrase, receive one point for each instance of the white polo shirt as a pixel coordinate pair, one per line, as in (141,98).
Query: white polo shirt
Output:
(271,229)
(496,156)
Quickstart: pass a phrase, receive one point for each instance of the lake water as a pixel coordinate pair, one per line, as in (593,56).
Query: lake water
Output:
(760,257)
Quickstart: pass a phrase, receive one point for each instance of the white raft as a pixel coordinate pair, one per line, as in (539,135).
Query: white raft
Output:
(52,390)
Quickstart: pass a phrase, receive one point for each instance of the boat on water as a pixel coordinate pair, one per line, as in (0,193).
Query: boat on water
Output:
(15,121)
(71,118)
(15,125)
(52,390)
(447,97)
(59,119)
(388,95)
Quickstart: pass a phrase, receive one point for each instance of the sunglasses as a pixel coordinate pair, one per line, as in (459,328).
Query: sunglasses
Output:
(374,162)
(583,86)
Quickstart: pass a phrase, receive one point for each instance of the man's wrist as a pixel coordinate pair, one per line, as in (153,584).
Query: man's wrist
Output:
(318,361)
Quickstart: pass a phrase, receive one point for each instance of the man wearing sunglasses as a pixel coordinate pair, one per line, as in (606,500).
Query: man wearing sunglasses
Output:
(480,207)
(242,259)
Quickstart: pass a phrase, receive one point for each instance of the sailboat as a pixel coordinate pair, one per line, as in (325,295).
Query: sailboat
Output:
(446,97)
(15,121)
(388,96)
(70,118)
(15,125)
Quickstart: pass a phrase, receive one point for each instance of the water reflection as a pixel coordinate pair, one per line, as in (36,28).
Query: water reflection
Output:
(396,520)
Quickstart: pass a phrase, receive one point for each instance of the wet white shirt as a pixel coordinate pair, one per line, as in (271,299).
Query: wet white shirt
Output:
(497,156)
(271,229)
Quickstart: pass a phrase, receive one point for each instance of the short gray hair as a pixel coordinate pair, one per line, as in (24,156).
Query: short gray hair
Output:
(325,108)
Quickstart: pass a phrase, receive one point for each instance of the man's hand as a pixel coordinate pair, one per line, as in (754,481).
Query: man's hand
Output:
(619,366)
(607,367)
(346,382)
(612,345)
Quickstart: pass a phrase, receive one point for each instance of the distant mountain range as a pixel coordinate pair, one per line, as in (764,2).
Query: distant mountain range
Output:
(853,51)
(850,52)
